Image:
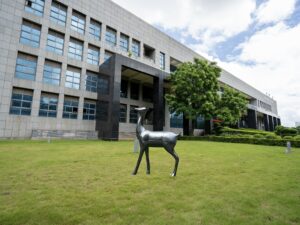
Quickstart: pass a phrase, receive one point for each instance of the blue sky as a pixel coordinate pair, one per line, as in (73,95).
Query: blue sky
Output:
(256,40)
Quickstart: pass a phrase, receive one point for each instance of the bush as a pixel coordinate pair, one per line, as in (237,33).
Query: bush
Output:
(271,136)
(297,138)
(258,136)
(285,131)
(231,131)
(233,139)
(288,138)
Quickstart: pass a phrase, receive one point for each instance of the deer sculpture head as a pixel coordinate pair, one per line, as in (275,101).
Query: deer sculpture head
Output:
(148,139)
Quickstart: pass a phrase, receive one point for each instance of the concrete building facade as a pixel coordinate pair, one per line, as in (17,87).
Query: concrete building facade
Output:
(78,68)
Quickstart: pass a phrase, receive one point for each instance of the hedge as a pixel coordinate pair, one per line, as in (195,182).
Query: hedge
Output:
(231,139)
(231,131)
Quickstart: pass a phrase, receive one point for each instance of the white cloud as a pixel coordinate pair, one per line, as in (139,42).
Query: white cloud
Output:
(209,21)
(276,53)
(275,10)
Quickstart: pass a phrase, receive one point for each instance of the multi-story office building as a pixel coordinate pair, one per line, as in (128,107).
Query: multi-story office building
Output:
(80,67)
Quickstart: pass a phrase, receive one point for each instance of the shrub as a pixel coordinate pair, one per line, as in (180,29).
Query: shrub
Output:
(258,136)
(285,131)
(288,138)
(271,136)
(233,139)
(297,138)
(231,131)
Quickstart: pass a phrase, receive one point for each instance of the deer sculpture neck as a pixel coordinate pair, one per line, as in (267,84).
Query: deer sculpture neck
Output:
(139,127)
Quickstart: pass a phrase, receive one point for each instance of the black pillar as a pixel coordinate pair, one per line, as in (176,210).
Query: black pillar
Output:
(186,126)
(278,122)
(252,119)
(158,103)
(275,122)
(208,126)
(266,122)
(271,124)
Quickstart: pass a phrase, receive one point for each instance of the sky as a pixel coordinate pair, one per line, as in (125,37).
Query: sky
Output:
(256,40)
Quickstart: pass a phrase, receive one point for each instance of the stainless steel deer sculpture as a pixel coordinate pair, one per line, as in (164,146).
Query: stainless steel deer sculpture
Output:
(148,139)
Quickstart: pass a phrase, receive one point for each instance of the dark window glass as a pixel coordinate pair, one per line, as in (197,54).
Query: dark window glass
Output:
(111,36)
(89,110)
(133,115)
(52,73)
(58,13)
(55,42)
(176,121)
(123,113)
(21,101)
(134,91)
(95,29)
(124,88)
(78,22)
(70,110)
(72,78)
(124,42)
(26,67)
(200,123)
(48,105)
(147,94)
(162,61)
(35,6)
(30,34)
(93,55)
(135,47)
(75,49)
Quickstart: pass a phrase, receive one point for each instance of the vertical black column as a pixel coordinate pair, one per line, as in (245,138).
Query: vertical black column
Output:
(208,126)
(278,122)
(271,124)
(266,122)
(158,103)
(275,122)
(252,119)
(108,106)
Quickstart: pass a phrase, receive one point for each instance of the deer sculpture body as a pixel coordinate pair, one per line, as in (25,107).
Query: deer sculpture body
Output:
(148,139)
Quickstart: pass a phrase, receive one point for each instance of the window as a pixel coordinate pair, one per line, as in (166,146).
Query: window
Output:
(73,78)
(35,6)
(124,88)
(70,110)
(134,91)
(133,115)
(58,13)
(111,36)
(26,66)
(149,53)
(30,34)
(91,82)
(93,55)
(135,47)
(200,122)
(123,113)
(78,22)
(48,105)
(124,42)
(102,111)
(95,29)
(21,101)
(147,93)
(107,56)
(162,59)
(52,71)
(89,110)
(97,83)
(75,49)
(55,42)
(176,121)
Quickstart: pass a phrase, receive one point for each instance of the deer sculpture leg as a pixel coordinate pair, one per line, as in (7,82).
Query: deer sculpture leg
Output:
(170,149)
(147,160)
(142,150)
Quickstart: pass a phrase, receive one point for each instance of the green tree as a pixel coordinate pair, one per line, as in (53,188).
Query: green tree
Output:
(194,87)
(231,106)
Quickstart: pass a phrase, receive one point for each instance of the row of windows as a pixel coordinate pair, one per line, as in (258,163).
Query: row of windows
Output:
(147,91)
(176,121)
(58,14)
(26,66)
(21,104)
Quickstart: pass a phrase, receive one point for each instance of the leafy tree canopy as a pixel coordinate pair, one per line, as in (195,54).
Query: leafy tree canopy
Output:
(194,87)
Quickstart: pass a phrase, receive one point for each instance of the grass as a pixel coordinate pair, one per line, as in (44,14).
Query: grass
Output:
(90,182)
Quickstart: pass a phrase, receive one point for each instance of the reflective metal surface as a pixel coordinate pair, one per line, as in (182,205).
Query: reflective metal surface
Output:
(148,139)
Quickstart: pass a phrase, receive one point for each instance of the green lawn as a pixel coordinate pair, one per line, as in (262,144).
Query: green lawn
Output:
(90,182)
